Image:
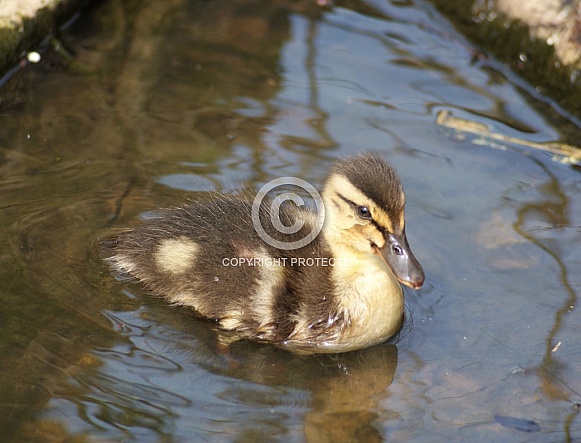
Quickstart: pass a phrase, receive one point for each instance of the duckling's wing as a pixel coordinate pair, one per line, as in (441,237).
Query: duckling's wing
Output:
(207,256)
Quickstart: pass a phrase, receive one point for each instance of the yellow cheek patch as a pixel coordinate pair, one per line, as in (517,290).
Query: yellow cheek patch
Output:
(176,255)
(382,219)
(373,234)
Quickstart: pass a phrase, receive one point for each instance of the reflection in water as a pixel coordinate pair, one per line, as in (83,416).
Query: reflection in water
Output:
(346,406)
(551,208)
(249,390)
(166,100)
(345,390)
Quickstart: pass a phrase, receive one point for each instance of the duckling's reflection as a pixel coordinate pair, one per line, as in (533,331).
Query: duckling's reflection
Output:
(346,390)
(345,405)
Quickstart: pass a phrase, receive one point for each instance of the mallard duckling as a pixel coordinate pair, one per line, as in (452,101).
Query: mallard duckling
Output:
(338,293)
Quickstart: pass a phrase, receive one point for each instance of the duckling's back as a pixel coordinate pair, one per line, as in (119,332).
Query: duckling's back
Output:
(208,256)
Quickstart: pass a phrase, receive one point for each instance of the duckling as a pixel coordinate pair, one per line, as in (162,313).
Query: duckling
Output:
(339,292)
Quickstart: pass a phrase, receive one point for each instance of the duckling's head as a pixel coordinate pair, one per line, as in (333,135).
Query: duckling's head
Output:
(364,213)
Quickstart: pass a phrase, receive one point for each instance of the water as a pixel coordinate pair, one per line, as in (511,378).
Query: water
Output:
(166,100)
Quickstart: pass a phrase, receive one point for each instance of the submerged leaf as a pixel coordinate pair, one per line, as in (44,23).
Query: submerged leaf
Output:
(518,423)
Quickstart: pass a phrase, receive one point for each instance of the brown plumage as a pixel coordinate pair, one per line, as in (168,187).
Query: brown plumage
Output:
(337,293)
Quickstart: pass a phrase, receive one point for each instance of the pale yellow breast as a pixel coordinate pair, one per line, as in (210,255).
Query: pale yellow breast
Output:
(372,298)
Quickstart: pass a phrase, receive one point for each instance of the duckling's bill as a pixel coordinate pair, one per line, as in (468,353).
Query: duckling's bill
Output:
(398,255)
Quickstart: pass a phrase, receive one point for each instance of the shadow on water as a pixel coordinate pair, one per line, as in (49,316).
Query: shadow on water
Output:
(163,101)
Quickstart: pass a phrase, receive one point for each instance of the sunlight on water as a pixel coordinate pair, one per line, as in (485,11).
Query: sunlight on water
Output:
(169,100)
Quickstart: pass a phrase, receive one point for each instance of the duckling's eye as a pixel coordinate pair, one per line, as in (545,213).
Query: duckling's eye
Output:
(363,212)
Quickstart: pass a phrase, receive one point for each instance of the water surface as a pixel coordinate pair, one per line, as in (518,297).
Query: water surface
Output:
(164,101)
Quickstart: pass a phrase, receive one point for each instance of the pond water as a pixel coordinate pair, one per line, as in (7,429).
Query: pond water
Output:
(163,101)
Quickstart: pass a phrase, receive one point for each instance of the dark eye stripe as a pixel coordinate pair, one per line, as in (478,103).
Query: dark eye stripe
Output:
(346,200)
(356,206)
(380,228)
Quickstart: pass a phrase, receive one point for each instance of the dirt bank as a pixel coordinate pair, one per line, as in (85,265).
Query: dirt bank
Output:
(25,23)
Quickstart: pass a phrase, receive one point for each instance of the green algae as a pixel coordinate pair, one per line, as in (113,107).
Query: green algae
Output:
(510,41)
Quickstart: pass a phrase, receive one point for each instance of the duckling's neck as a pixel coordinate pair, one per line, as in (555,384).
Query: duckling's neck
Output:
(367,292)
